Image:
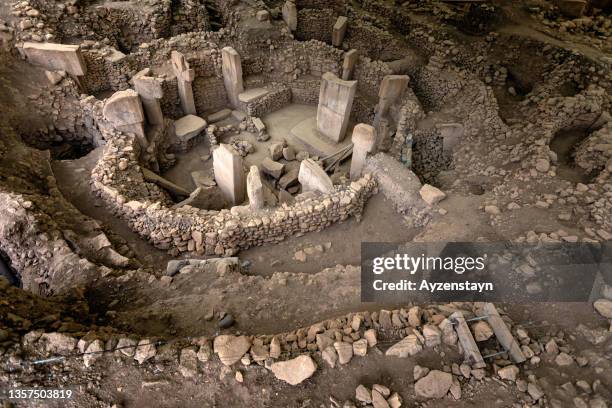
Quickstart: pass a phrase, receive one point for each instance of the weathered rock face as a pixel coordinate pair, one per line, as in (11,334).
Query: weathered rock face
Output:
(434,385)
(294,371)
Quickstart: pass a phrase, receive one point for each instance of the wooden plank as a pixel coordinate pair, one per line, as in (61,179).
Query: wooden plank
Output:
(505,338)
(470,349)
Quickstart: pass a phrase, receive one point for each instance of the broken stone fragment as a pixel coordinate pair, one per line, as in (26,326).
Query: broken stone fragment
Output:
(362,394)
(604,307)
(272,168)
(330,356)
(313,178)
(188,363)
(345,351)
(434,385)
(145,350)
(431,195)
(93,353)
(57,343)
(230,349)
(409,346)
(379,401)
(294,371)
(508,373)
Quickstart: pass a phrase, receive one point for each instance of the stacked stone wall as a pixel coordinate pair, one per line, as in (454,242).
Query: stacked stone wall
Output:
(187,229)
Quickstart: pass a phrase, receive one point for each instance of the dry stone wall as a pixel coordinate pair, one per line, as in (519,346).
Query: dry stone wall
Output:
(146,208)
(316,24)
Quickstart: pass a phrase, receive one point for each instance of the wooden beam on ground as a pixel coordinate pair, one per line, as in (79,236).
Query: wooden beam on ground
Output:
(505,338)
(470,349)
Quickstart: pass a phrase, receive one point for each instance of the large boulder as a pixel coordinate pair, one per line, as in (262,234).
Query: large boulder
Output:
(434,385)
(231,348)
(294,371)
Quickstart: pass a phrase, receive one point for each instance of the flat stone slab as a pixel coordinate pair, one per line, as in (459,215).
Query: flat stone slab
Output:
(189,126)
(56,57)
(251,95)
(306,135)
(219,116)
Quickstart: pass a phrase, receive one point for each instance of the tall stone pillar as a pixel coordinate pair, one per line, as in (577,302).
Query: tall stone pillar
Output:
(229,173)
(339,31)
(335,104)
(364,139)
(290,15)
(348,65)
(255,188)
(232,75)
(150,90)
(391,88)
(124,111)
(184,77)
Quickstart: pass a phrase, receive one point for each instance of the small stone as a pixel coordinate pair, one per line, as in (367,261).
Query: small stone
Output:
(508,373)
(370,336)
(492,209)
(378,401)
(419,372)
(344,350)
(482,331)
(395,401)
(564,359)
(431,195)
(604,307)
(362,394)
(330,356)
(360,347)
(145,351)
(534,391)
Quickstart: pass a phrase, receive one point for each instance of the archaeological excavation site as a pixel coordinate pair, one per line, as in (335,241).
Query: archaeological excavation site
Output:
(306,203)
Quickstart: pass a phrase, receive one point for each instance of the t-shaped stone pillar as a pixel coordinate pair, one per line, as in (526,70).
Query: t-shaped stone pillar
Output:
(364,139)
(335,104)
(290,15)
(124,111)
(391,88)
(313,178)
(255,188)
(348,65)
(184,76)
(232,75)
(150,90)
(339,31)
(229,173)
